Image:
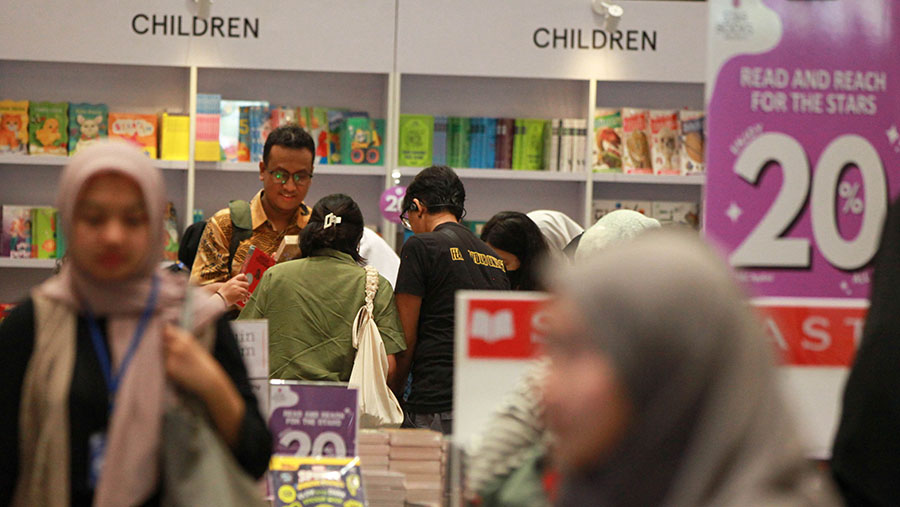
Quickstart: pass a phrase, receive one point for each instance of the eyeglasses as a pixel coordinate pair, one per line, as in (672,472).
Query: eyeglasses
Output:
(300,177)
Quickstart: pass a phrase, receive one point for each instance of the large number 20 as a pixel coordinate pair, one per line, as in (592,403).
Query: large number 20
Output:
(764,246)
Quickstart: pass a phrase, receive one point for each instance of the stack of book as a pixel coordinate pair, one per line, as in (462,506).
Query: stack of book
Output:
(420,456)
(383,488)
(374,450)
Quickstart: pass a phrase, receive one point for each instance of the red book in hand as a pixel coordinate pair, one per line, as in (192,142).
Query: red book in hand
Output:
(256,263)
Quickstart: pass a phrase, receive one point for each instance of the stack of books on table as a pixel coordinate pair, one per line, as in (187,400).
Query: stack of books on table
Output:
(383,487)
(420,456)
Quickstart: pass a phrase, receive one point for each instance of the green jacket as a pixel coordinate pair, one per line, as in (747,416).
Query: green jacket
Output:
(310,304)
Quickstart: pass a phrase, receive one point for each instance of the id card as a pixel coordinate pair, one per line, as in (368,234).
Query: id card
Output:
(96,452)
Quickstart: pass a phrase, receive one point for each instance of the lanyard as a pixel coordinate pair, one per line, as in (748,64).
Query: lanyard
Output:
(100,347)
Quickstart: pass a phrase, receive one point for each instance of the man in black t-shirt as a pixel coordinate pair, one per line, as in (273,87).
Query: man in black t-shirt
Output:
(441,258)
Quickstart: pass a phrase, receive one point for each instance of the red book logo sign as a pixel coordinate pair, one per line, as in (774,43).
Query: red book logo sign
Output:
(504,329)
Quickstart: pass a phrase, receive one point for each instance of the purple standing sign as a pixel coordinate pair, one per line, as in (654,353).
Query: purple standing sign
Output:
(804,141)
(313,419)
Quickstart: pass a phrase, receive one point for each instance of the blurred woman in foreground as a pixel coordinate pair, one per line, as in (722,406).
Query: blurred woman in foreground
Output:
(661,388)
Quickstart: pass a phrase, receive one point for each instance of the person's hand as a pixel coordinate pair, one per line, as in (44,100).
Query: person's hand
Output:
(234,290)
(188,364)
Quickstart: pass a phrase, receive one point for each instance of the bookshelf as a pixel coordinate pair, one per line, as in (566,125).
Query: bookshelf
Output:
(392,58)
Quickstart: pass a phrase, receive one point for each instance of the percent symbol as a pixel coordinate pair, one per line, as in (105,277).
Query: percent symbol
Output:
(849,192)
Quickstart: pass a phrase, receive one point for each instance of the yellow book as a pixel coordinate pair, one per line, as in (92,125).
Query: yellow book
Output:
(174,136)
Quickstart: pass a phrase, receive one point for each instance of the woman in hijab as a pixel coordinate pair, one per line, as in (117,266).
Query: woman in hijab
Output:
(866,457)
(558,229)
(612,228)
(661,388)
(89,361)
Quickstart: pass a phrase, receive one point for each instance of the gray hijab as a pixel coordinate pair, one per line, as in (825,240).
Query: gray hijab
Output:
(709,426)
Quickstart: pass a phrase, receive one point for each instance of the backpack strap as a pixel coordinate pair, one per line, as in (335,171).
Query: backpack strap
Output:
(241,227)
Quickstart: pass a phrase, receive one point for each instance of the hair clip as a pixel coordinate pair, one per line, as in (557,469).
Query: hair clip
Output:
(331,219)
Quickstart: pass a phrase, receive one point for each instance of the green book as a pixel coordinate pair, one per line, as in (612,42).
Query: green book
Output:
(416,140)
(43,233)
(532,144)
(375,154)
(517,145)
(463,144)
(453,126)
(356,139)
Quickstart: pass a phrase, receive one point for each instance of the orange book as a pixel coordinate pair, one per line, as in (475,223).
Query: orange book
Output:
(139,129)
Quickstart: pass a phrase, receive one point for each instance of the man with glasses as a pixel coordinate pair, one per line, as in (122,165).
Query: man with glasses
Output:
(442,257)
(276,211)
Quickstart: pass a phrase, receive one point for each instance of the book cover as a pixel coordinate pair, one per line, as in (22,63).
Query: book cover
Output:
(375,152)
(43,232)
(207,149)
(518,130)
(174,136)
(635,129)
(439,142)
(665,149)
(244,140)
(607,147)
(504,143)
(458,142)
(683,213)
(256,263)
(693,141)
(139,129)
(87,125)
(318,129)
(476,143)
(565,145)
(282,115)
(416,142)
(260,126)
(551,145)
(60,243)
(230,127)
(318,481)
(490,143)
(16,234)
(302,115)
(48,128)
(14,126)
(532,141)
(359,141)
(209,103)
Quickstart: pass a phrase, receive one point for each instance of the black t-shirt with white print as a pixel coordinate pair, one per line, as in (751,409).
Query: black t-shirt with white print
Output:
(434,266)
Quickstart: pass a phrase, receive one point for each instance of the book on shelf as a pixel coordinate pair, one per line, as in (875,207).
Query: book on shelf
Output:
(489,148)
(477,140)
(255,264)
(318,129)
(693,141)
(88,123)
(635,129)
(361,140)
(531,144)
(683,213)
(518,130)
(503,152)
(551,145)
(416,140)
(230,129)
(14,127)
(170,234)
(607,145)
(566,145)
(259,123)
(139,129)
(48,128)
(174,136)
(458,145)
(43,232)
(207,147)
(16,233)
(439,141)
(581,135)
(209,103)
(665,149)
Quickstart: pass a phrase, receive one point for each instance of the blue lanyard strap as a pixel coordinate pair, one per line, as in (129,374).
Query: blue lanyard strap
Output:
(100,347)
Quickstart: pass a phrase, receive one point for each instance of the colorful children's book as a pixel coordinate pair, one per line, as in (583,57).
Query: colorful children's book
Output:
(360,142)
(14,126)
(230,127)
(635,129)
(416,140)
(48,128)
(375,153)
(476,142)
(532,143)
(43,233)
(439,141)
(174,136)
(244,140)
(256,263)
(504,143)
(140,129)
(209,103)
(207,147)
(664,142)
(677,213)
(16,234)
(607,148)
(260,126)
(551,145)
(692,142)
(170,238)
(318,129)
(283,115)
(87,125)
(518,130)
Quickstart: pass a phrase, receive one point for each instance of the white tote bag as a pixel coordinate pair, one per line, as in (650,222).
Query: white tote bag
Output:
(378,407)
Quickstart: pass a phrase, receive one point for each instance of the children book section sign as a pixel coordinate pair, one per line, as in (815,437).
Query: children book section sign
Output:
(804,146)
(313,419)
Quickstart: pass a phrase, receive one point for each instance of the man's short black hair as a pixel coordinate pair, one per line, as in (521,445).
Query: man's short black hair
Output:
(440,189)
(290,136)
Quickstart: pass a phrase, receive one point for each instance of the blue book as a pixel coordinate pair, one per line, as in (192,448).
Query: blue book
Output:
(476,142)
(208,103)
(259,131)
(439,143)
(490,142)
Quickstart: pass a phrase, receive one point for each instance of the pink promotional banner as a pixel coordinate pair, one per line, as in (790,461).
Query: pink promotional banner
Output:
(804,141)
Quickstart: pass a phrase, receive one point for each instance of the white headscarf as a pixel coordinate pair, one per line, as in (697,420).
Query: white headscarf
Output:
(708,426)
(611,229)
(557,228)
